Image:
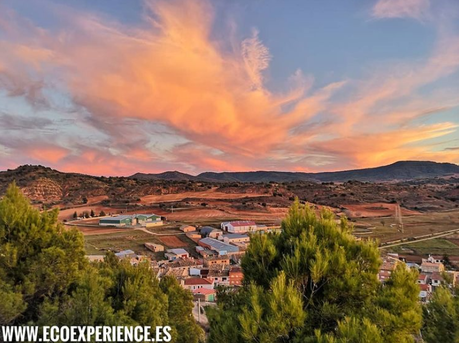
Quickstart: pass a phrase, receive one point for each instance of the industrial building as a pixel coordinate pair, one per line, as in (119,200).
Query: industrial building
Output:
(146,220)
(125,220)
(219,247)
(239,226)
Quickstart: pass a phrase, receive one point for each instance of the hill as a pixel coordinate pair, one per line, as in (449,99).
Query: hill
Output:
(398,171)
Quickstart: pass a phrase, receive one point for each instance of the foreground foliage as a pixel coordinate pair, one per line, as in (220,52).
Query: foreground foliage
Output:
(315,282)
(45,279)
(441,317)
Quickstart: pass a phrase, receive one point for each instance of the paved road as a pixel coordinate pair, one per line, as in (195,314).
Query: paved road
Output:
(159,234)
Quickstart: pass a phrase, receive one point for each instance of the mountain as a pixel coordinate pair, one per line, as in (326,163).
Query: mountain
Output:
(402,170)
(169,175)
(398,171)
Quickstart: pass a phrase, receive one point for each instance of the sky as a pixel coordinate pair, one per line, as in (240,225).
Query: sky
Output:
(115,87)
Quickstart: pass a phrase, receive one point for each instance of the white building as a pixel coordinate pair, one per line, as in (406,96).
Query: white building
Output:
(240,226)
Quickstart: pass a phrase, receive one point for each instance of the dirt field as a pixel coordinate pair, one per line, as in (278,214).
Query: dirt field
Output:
(375,210)
(172,241)
(68,213)
(210,194)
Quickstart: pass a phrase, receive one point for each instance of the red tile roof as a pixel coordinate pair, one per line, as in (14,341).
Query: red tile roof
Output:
(425,288)
(197,281)
(205,291)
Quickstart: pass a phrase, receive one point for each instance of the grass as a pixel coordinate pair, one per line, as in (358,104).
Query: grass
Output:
(415,225)
(438,246)
(134,240)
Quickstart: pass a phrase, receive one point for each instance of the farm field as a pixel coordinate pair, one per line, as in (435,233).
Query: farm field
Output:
(134,240)
(385,229)
(209,194)
(438,246)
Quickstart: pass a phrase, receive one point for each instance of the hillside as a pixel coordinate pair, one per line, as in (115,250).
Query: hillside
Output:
(398,171)
(414,184)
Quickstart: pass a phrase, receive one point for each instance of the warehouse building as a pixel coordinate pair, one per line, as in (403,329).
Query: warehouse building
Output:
(119,221)
(147,220)
(219,247)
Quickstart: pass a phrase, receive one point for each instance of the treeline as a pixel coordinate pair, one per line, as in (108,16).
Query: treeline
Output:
(314,282)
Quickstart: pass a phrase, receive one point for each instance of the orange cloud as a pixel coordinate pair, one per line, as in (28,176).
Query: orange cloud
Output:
(46,153)
(209,91)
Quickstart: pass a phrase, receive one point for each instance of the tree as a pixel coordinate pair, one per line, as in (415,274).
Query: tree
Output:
(441,317)
(180,305)
(39,259)
(92,213)
(102,214)
(315,282)
(75,215)
(45,279)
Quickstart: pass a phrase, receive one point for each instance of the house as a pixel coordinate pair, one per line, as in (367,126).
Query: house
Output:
(219,276)
(216,261)
(204,294)
(197,283)
(154,247)
(215,233)
(173,254)
(235,276)
(219,247)
(424,292)
(239,226)
(235,238)
(430,267)
(119,221)
(436,279)
(187,228)
(126,254)
(423,279)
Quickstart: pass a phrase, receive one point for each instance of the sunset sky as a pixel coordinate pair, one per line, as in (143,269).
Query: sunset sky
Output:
(113,87)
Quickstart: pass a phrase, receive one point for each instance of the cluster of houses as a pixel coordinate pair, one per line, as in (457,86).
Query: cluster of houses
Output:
(129,220)
(432,272)
(219,252)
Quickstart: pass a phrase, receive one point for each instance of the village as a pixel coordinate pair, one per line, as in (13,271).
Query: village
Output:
(215,259)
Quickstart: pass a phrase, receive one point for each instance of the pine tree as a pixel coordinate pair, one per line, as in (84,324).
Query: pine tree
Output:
(92,213)
(332,293)
(441,318)
(75,215)
(45,279)
(39,259)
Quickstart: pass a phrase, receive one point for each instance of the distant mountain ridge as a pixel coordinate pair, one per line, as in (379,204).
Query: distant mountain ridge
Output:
(402,170)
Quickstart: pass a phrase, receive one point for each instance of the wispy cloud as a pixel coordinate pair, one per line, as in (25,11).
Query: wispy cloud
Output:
(416,9)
